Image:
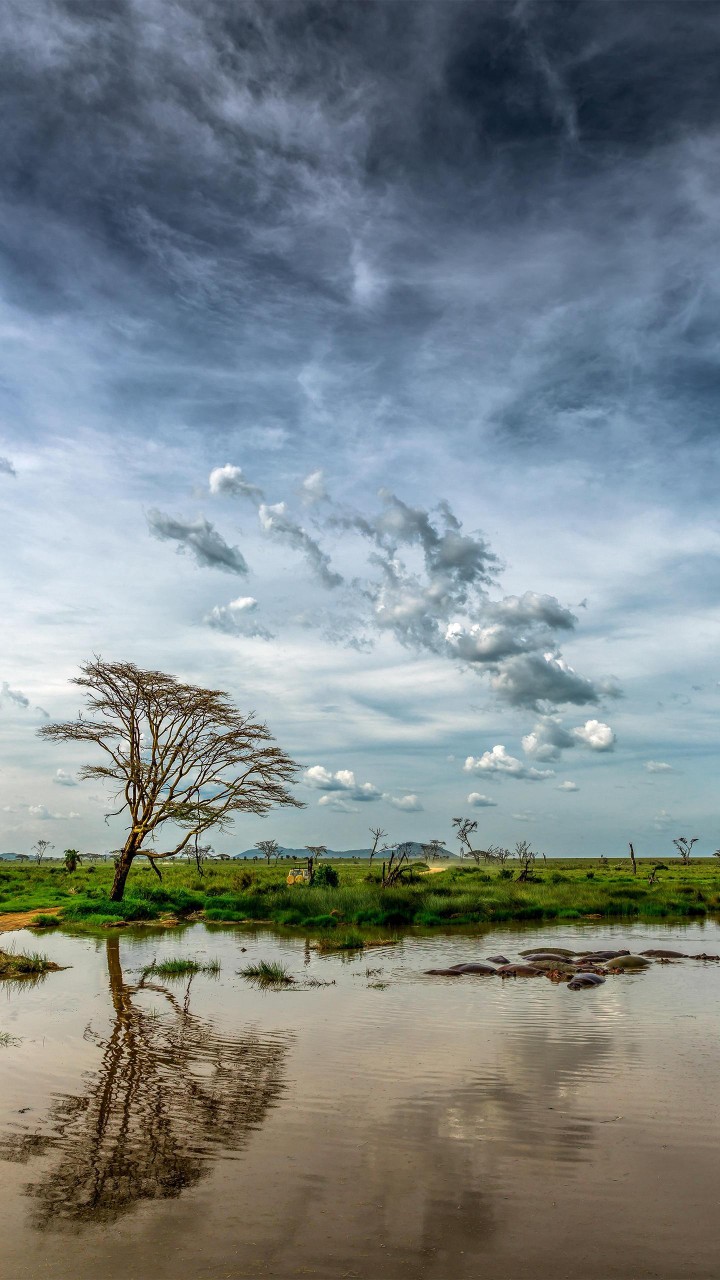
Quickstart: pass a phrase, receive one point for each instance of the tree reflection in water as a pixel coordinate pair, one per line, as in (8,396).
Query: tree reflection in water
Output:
(168,1092)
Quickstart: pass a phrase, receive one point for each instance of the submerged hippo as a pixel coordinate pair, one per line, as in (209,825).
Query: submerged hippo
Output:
(601,955)
(535,956)
(628,962)
(474,966)
(554,951)
(583,980)
(519,971)
(665,955)
(457,970)
(498,959)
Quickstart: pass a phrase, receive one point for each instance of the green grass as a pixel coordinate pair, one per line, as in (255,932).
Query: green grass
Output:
(268,973)
(359,907)
(180,968)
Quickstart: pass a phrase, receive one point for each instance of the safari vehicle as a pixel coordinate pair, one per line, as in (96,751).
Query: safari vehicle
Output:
(299,875)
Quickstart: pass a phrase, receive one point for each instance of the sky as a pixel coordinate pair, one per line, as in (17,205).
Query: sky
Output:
(361,360)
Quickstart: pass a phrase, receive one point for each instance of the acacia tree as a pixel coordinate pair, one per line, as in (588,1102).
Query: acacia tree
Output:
(377,834)
(40,848)
(465,828)
(684,847)
(179,756)
(269,848)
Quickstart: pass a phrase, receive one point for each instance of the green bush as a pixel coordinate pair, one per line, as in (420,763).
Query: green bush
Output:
(326,877)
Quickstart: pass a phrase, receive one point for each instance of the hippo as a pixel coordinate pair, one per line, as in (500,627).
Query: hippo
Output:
(445,973)
(628,963)
(665,955)
(519,971)
(498,960)
(555,951)
(534,956)
(601,955)
(582,981)
(551,965)
(703,956)
(476,966)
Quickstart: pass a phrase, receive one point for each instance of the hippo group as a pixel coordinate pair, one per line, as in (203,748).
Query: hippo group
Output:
(580,970)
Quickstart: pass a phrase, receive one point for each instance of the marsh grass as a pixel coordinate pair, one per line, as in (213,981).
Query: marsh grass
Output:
(180,968)
(268,973)
(7,1041)
(18,965)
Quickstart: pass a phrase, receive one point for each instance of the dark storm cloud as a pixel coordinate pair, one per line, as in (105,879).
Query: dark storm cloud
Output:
(520,195)
(201,539)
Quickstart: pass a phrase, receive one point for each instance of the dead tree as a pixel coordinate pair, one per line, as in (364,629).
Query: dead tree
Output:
(526,857)
(396,864)
(684,847)
(178,755)
(377,834)
(632,859)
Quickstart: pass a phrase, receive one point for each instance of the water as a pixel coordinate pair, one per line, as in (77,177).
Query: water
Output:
(431,1128)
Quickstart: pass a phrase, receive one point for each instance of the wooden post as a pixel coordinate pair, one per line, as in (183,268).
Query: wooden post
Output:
(632,859)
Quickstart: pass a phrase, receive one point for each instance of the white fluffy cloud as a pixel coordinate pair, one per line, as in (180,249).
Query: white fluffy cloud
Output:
(238,618)
(407,804)
(596,735)
(42,813)
(478,801)
(567,786)
(230,481)
(343,780)
(500,762)
(313,489)
(63,779)
(658,766)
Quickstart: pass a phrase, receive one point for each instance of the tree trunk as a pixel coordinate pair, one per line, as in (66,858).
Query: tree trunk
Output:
(122,869)
(632,859)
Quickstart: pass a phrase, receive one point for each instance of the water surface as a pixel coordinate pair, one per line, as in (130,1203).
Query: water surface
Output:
(387,1125)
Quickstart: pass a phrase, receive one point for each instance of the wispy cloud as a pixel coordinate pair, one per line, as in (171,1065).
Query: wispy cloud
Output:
(201,539)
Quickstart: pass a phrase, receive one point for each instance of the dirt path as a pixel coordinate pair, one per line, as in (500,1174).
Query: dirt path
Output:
(21,919)
(433,871)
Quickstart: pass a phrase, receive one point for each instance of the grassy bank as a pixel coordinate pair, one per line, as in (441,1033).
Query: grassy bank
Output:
(461,894)
(15,965)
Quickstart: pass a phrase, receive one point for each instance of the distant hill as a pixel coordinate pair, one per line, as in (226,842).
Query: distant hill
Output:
(299,854)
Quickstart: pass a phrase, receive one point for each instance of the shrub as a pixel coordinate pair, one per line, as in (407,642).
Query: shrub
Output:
(326,877)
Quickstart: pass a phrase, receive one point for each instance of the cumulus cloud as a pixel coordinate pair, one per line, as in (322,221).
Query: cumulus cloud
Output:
(238,618)
(663,820)
(547,739)
(501,763)
(477,800)
(276,522)
(567,786)
(6,467)
(595,735)
(407,804)
(337,803)
(230,481)
(313,489)
(201,539)
(531,679)
(41,813)
(343,780)
(63,779)
(658,766)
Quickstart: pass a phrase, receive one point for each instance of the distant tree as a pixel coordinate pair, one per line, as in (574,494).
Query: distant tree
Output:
(72,858)
(316,852)
(501,855)
(40,849)
(180,756)
(433,850)
(269,849)
(684,847)
(465,828)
